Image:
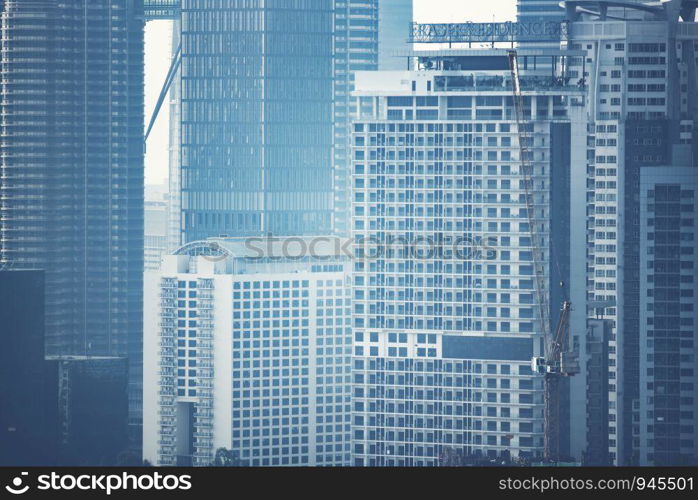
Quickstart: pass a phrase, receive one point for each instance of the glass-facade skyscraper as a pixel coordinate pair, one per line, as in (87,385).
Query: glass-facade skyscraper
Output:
(71,162)
(256,117)
(539,10)
(260,143)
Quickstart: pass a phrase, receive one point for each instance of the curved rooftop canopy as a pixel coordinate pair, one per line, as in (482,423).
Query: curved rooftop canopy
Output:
(621,9)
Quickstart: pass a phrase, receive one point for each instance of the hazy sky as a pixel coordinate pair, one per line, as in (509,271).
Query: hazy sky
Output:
(158,49)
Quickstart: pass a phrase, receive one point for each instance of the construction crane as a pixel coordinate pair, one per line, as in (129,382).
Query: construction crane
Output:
(556,362)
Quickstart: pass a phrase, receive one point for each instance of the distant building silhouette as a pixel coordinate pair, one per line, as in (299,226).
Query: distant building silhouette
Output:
(71,162)
(28,384)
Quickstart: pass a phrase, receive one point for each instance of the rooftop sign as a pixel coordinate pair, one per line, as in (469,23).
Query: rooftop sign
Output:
(537,31)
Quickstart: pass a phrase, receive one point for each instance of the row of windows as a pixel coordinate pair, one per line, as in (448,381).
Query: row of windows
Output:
(439,367)
(435,127)
(425,172)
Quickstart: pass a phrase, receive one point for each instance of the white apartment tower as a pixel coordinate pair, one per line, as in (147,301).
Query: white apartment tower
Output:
(445,319)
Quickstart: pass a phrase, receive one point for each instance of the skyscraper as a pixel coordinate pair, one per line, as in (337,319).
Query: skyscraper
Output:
(445,313)
(640,68)
(248,347)
(92,394)
(155,226)
(256,118)
(668,337)
(71,161)
(394,19)
(278,160)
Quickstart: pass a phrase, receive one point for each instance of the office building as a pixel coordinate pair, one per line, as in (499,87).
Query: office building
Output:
(256,118)
(445,316)
(71,161)
(248,348)
(283,167)
(56,410)
(536,13)
(668,324)
(640,69)
(174,199)
(29,409)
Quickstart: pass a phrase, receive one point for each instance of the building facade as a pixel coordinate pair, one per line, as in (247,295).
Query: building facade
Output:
(283,168)
(445,316)
(539,10)
(640,69)
(668,322)
(367,35)
(394,19)
(595,396)
(256,118)
(248,347)
(71,149)
(536,12)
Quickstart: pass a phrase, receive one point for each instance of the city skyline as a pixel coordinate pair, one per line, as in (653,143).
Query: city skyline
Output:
(391,233)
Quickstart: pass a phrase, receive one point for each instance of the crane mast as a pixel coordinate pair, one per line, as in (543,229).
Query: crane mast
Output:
(556,362)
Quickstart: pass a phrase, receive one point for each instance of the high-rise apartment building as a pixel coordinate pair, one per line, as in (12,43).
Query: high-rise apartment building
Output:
(640,69)
(668,335)
(71,162)
(248,347)
(445,313)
